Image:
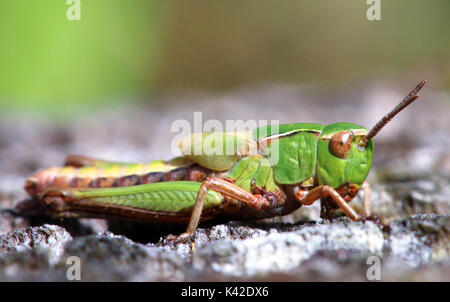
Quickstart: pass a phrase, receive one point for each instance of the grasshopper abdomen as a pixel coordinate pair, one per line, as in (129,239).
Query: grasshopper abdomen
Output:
(96,177)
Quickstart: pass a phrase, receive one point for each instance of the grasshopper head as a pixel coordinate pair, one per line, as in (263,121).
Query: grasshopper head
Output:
(341,158)
(344,151)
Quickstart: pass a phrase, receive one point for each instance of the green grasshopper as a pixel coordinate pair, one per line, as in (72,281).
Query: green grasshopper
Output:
(315,162)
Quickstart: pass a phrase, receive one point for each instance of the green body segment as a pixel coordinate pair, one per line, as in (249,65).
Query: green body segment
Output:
(285,129)
(173,197)
(153,166)
(291,149)
(301,151)
(217,151)
(254,168)
(102,168)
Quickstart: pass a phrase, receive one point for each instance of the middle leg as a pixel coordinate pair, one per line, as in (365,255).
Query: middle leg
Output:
(227,189)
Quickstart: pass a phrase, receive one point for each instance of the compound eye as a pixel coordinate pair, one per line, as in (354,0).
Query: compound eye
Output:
(340,144)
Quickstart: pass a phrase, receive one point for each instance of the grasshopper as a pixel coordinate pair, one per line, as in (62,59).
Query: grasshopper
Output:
(315,162)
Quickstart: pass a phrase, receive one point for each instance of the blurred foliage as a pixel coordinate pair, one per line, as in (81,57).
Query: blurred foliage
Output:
(121,50)
(50,62)
(227,43)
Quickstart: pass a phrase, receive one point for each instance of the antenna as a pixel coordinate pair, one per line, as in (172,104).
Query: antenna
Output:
(411,97)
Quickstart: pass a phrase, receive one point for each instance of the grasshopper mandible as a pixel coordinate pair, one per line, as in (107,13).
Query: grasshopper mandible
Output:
(316,162)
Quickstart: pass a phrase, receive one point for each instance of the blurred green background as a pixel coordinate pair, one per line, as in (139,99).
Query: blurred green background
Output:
(128,50)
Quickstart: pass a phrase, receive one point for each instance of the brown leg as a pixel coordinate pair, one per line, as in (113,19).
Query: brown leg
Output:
(226,188)
(367,200)
(307,198)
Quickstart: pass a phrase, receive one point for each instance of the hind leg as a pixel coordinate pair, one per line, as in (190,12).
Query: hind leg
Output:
(225,188)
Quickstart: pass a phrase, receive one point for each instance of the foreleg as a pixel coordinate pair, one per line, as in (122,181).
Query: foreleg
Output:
(309,197)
